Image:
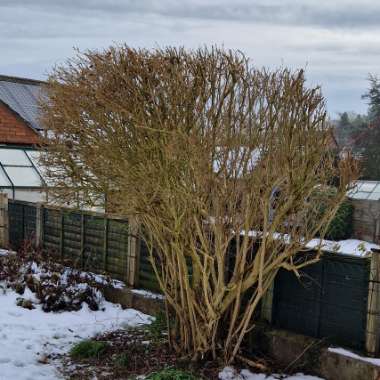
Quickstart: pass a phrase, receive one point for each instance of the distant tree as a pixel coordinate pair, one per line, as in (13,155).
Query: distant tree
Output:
(344,119)
(373,96)
(371,142)
(371,154)
(350,129)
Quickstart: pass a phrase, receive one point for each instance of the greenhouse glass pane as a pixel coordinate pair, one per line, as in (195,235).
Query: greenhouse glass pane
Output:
(358,185)
(34,155)
(368,187)
(374,196)
(4,181)
(23,176)
(14,157)
(353,191)
(360,195)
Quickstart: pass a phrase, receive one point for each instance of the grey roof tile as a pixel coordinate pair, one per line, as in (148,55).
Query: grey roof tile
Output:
(22,96)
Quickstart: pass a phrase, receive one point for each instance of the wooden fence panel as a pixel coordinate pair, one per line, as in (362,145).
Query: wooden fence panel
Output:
(328,301)
(72,236)
(93,243)
(117,248)
(147,277)
(85,240)
(51,239)
(22,224)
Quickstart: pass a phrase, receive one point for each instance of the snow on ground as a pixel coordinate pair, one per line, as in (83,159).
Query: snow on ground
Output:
(27,336)
(342,351)
(148,294)
(4,252)
(229,373)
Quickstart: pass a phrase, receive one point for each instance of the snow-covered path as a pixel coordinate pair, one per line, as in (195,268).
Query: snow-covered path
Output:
(26,336)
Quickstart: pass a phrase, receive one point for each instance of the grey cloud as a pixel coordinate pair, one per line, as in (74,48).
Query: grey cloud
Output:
(323,35)
(327,14)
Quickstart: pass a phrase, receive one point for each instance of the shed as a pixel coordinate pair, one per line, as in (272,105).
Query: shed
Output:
(365,197)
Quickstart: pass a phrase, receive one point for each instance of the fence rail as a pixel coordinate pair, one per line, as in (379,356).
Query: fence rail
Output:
(337,298)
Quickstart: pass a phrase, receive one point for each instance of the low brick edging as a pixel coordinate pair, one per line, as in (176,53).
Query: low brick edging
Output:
(289,350)
(128,298)
(334,366)
(295,350)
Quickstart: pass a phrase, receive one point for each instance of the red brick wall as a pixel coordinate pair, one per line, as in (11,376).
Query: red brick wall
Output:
(13,130)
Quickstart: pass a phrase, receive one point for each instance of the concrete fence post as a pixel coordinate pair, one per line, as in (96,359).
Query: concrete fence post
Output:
(133,252)
(4,221)
(373,306)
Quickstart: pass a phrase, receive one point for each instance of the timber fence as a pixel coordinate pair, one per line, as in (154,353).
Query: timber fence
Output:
(336,299)
(86,240)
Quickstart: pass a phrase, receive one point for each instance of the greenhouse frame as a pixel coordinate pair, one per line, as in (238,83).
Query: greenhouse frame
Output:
(20,174)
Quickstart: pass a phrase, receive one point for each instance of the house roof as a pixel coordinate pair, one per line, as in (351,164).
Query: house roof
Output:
(22,96)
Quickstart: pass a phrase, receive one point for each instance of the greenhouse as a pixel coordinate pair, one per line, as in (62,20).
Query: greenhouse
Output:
(20,176)
(366,190)
(365,197)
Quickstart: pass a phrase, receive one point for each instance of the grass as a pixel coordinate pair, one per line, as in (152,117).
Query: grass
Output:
(157,327)
(171,374)
(88,349)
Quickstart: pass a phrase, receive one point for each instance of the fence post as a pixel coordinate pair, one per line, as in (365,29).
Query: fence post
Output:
(61,221)
(4,221)
(39,225)
(133,252)
(105,243)
(267,304)
(373,308)
(82,240)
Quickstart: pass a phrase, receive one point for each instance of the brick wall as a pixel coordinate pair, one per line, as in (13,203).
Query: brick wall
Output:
(13,130)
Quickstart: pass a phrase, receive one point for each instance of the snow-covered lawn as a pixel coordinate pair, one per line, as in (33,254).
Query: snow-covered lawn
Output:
(28,337)
(31,339)
(229,373)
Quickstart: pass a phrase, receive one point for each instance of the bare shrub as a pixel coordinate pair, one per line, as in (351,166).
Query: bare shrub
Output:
(206,153)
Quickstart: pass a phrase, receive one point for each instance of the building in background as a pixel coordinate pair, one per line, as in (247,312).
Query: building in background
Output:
(19,111)
(365,198)
(20,131)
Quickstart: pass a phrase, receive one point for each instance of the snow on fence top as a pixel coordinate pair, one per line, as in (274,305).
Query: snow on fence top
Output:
(351,247)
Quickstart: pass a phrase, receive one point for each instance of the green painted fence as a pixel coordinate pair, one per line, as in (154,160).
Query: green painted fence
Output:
(92,242)
(329,300)
(85,240)
(22,223)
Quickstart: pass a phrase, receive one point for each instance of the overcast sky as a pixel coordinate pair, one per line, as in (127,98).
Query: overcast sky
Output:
(338,41)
